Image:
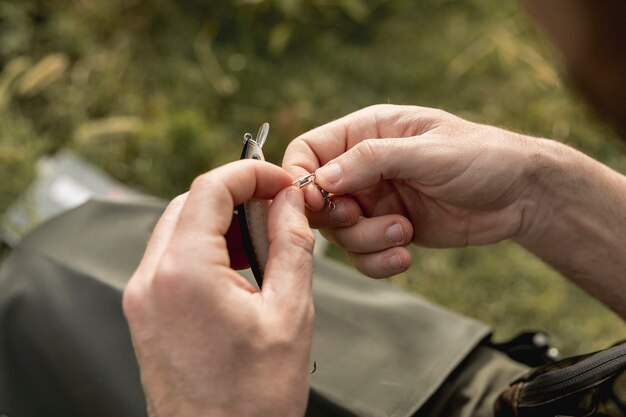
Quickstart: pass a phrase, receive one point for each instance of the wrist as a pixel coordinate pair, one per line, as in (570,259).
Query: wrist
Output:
(553,171)
(564,188)
(579,222)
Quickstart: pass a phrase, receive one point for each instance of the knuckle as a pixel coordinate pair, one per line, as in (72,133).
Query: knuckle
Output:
(284,339)
(290,151)
(167,274)
(281,330)
(302,237)
(270,333)
(363,264)
(439,114)
(428,118)
(204,182)
(362,237)
(309,313)
(429,112)
(133,299)
(175,206)
(367,150)
(255,328)
(294,145)
(351,238)
(287,330)
(177,201)
(442,118)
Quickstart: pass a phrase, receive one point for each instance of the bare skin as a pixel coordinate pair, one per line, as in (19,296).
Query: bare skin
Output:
(447,182)
(207,342)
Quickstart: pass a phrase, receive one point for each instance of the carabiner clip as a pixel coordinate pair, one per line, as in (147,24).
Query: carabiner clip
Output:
(304,181)
(310,179)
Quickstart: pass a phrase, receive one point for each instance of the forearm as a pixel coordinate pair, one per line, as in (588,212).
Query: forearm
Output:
(576,221)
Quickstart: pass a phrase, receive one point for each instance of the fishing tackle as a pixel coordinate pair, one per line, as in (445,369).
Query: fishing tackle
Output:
(253,213)
(310,179)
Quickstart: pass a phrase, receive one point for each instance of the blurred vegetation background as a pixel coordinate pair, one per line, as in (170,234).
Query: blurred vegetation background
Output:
(157,92)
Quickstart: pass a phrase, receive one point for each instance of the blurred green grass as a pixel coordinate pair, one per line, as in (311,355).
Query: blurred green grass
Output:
(157,92)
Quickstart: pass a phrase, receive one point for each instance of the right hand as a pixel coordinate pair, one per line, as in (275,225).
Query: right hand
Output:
(444,181)
(207,342)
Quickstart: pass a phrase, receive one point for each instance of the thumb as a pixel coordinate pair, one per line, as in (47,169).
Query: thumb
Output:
(370,162)
(289,269)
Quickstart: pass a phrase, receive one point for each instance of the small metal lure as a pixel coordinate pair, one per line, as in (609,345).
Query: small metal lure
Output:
(253,213)
(310,179)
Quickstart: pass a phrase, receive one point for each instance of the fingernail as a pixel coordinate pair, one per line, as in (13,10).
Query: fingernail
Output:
(330,173)
(395,263)
(294,198)
(395,234)
(340,214)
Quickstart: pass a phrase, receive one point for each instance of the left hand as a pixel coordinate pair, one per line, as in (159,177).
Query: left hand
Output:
(207,342)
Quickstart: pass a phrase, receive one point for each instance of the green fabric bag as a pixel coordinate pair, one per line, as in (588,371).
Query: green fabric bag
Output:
(581,386)
(65,347)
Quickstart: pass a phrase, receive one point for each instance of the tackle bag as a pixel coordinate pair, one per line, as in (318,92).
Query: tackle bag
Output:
(581,386)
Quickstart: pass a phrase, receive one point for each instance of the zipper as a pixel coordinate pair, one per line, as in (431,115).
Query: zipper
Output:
(588,372)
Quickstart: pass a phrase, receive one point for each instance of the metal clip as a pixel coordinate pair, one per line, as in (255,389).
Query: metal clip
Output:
(310,179)
(304,181)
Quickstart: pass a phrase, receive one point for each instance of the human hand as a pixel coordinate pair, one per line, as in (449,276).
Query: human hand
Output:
(206,341)
(415,174)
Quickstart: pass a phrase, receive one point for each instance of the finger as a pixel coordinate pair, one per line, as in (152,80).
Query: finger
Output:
(368,163)
(207,213)
(382,264)
(315,148)
(372,234)
(289,268)
(213,196)
(312,196)
(427,160)
(161,236)
(346,213)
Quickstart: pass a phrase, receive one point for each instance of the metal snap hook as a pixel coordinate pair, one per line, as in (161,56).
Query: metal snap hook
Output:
(310,179)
